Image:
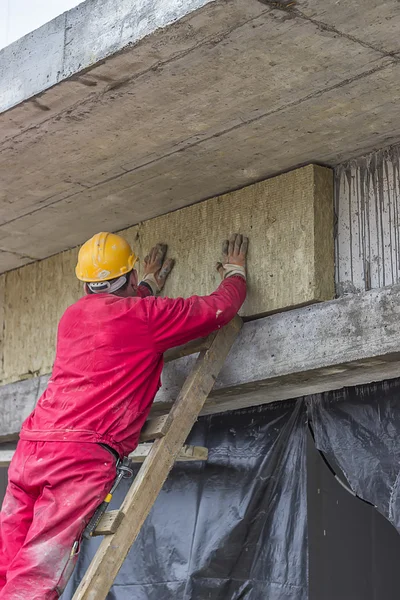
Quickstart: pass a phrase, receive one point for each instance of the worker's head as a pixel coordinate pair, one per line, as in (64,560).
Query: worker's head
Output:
(106,264)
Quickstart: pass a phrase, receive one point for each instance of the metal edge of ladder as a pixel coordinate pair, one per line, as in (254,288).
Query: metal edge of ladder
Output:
(146,486)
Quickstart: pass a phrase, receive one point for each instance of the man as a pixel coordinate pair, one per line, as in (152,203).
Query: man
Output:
(107,369)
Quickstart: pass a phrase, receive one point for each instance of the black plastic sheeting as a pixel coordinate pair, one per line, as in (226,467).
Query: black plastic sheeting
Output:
(359,429)
(232,528)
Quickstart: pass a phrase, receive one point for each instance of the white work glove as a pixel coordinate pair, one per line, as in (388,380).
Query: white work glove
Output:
(234,253)
(156,268)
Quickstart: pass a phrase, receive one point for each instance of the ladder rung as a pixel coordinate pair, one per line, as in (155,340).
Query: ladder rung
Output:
(186,454)
(109,522)
(189,348)
(154,429)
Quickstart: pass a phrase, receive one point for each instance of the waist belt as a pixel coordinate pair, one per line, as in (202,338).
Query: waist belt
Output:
(111,451)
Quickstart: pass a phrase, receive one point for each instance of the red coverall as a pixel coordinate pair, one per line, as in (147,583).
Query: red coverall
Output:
(106,373)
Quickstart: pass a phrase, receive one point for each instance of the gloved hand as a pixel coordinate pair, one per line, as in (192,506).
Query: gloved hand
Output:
(156,268)
(234,253)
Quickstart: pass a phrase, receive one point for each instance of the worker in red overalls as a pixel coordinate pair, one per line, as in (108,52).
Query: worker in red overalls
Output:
(109,358)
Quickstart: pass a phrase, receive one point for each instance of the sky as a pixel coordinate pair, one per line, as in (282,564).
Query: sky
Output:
(19,17)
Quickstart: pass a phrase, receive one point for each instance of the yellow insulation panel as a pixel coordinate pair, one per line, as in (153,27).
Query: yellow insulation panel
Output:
(289,220)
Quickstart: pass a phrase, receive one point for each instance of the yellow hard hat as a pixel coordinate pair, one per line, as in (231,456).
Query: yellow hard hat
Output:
(105,256)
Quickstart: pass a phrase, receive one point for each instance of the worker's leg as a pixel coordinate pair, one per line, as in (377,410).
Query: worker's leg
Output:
(15,516)
(75,480)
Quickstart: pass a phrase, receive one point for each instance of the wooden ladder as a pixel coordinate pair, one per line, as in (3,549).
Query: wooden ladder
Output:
(170,433)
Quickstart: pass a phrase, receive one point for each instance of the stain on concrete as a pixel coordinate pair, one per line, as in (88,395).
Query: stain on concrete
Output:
(368,209)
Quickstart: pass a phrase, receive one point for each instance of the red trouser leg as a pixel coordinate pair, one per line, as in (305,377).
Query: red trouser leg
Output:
(15,519)
(66,481)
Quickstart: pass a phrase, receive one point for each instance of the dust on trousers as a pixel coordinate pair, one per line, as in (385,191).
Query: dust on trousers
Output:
(53,490)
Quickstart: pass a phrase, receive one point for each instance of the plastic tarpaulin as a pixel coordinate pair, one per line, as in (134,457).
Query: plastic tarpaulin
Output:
(359,429)
(234,527)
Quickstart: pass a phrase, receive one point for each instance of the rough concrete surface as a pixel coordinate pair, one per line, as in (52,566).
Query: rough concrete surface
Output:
(230,94)
(368,212)
(371,22)
(289,219)
(78,39)
(345,342)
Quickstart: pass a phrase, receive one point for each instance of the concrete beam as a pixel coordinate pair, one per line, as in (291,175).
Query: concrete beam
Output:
(345,342)
(78,39)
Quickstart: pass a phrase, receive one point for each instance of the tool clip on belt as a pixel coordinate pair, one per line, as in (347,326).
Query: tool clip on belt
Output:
(124,471)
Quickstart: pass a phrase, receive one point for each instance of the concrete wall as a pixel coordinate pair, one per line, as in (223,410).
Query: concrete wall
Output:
(289,220)
(368,225)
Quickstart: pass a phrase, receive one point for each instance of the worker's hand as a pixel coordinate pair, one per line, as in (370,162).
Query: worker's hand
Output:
(156,268)
(234,255)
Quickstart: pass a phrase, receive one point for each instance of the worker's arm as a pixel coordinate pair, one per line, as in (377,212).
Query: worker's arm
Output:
(173,322)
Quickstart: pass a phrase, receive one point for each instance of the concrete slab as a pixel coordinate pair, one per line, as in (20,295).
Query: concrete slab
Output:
(18,260)
(373,22)
(230,94)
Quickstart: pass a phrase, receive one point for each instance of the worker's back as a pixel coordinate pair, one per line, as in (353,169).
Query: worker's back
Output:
(105,375)
(109,361)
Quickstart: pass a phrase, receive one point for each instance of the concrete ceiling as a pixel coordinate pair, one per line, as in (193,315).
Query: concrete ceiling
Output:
(233,92)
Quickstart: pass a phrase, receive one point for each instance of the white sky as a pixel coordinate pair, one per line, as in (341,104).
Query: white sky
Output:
(19,17)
